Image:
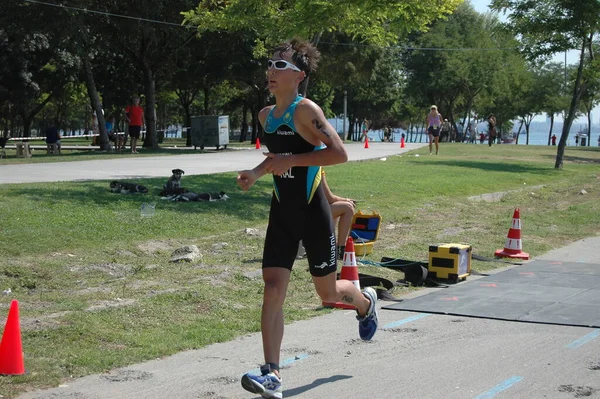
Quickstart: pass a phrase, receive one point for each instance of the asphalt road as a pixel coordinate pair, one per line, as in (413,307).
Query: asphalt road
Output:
(135,167)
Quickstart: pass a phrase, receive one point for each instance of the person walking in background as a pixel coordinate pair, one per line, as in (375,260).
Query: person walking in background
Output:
(434,123)
(554,139)
(365,131)
(445,131)
(134,115)
(300,140)
(491,129)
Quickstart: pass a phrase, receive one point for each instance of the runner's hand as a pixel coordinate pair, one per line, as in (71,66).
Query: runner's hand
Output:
(278,164)
(245,179)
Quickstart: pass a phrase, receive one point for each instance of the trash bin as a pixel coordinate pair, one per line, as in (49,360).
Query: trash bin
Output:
(210,130)
(583,140)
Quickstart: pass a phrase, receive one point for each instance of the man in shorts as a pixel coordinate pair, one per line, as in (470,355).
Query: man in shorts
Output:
(134,114)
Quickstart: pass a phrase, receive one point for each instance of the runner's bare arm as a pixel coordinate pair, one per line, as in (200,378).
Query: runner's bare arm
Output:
(312,125)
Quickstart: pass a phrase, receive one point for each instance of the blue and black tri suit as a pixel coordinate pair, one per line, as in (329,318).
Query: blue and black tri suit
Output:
(299,209)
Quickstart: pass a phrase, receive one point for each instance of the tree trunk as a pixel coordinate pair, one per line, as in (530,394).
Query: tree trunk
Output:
(551,128)
(244,127)
(589,132)
(351,127)
(150,141)
(527,124)
(186,98)
(95,101)
(188,126)
(578,90)
(28,116)
(519,132)
(206,100)
(254,125)
(27,119)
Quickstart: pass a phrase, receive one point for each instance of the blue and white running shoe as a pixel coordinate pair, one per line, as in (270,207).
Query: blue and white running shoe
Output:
(268,385)
(367,325)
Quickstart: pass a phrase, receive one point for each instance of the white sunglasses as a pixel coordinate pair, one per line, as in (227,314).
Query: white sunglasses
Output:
(281,65)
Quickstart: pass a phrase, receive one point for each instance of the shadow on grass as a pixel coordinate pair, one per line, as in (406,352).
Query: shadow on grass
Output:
(580,160)
(250,205)
(499,166)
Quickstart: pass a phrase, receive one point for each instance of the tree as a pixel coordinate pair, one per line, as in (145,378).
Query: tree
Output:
(197,75)
(547,27)
(34,66)
(149,46)
(374,21)
(552,91)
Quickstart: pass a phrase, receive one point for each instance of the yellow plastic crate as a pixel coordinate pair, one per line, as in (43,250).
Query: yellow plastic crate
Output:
(363,248)
(450,261)
(365,230)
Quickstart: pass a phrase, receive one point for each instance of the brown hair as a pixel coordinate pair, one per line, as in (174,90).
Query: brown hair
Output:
(304,55)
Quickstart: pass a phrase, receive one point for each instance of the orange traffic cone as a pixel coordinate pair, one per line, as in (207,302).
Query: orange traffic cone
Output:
(11,349)
(366,142)
(349,272)
(402,142)
(513,247)
(257,143)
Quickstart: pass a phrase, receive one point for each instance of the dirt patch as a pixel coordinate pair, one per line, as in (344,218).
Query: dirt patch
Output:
(497,197)
(452,231)
(42,322)
(153,246)
(122,252)
(112,269)
(94,290)
(117,303)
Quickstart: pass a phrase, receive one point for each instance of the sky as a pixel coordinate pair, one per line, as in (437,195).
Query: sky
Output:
(482,6)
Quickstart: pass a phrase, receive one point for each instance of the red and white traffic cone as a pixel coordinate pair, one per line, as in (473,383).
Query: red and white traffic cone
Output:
(11,347)
(349,272)
(513,248)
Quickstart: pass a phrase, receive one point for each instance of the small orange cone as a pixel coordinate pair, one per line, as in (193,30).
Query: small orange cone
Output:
(11,349)
(257,143)
(402,142)
(513,246)
(366,142)
(349,272)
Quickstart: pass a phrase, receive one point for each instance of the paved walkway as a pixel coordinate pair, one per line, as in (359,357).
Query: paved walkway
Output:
(136,167)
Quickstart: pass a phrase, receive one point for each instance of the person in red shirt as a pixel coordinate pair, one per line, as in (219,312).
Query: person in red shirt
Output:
(134,114)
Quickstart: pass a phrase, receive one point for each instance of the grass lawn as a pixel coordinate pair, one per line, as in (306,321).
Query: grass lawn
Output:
(97,291)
